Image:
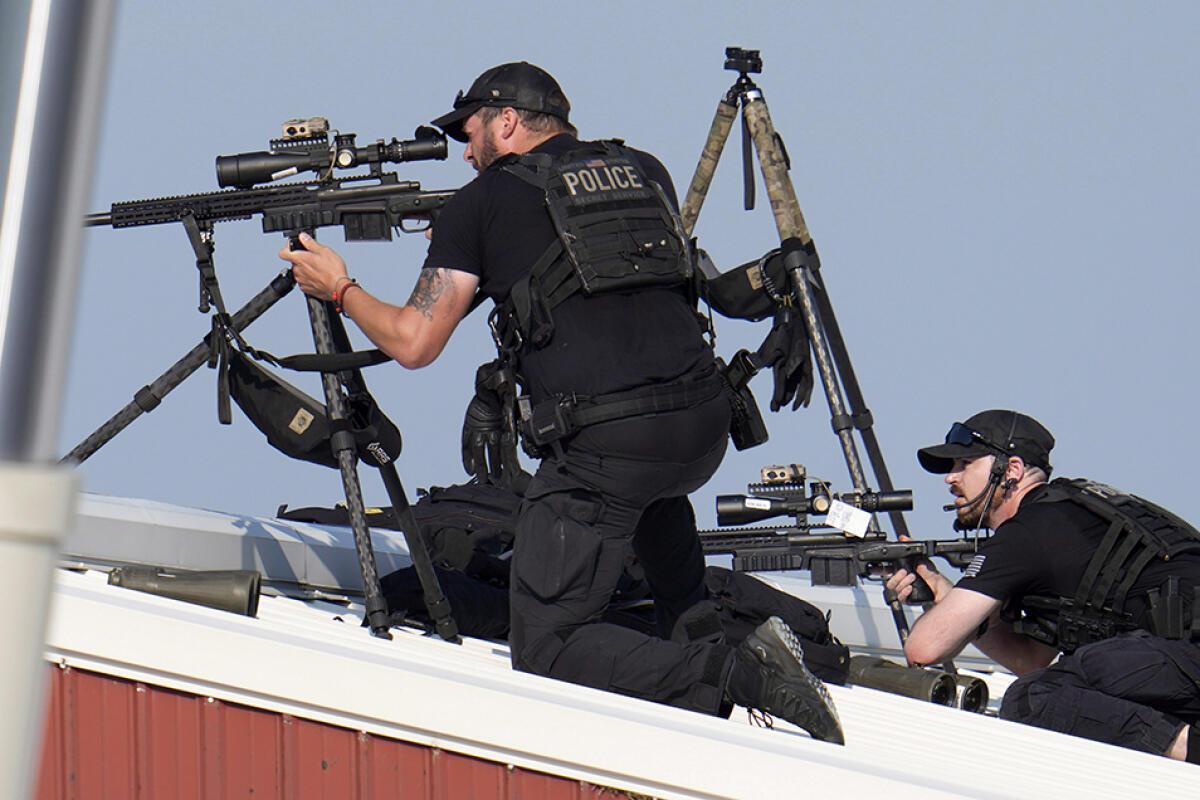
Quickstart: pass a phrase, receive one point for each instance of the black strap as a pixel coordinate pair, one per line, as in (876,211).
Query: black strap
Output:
(1097,563)
(1135,570)
(650,400)
(553,419)
(1115,566)
(530,167)
(528,306)
(331,362)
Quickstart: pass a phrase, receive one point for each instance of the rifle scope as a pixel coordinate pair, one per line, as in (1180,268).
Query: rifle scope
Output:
(315,154)
(740,509)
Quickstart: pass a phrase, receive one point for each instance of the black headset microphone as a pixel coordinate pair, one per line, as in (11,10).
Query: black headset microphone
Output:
(974,500)
(998,470)
(999,467)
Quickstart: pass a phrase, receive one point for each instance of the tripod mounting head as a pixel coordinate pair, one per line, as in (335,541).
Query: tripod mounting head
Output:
(744,62)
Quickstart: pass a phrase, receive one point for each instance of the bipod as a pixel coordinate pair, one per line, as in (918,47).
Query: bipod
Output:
(329,338)
(803,267)
(148,397)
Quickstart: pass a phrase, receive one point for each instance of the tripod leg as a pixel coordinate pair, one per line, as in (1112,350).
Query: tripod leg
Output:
(418,548)
(435,601)
(344,447)
(860,415)
(148,397)
(717,134)
(789,220)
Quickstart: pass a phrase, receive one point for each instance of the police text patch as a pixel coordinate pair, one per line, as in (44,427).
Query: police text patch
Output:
(598,180)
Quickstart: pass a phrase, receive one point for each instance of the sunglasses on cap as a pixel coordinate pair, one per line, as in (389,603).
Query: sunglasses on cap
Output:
(960,434)
(464,99)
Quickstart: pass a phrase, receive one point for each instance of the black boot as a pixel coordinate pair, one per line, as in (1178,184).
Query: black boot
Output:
(768,674)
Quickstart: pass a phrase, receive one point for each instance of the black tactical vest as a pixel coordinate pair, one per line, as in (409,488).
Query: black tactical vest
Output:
(1138,533)
(616,232)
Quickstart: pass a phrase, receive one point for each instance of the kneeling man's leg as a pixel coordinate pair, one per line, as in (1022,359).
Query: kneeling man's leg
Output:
(1125,691)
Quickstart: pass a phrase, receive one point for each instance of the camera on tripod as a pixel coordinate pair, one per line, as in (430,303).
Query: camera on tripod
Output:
(743,61)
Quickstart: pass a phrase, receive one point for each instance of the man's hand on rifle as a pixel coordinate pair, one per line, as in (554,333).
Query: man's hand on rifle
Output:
(318,269)
(901,582)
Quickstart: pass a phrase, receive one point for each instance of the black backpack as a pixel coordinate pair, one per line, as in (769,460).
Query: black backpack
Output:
(470,530)
(468,527)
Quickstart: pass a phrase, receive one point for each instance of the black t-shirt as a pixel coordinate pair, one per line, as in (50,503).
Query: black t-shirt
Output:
(1044,549)
(497,226)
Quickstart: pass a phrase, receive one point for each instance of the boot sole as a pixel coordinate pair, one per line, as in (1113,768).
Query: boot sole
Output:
(780,649)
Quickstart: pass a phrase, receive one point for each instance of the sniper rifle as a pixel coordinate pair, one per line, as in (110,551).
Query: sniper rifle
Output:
(368,207)
(366,212)
(831,555)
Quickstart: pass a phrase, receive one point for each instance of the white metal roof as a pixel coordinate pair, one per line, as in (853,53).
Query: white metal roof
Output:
(312,659)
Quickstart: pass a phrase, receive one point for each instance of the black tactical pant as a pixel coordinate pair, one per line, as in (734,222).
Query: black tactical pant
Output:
(1134,690)
(619,484)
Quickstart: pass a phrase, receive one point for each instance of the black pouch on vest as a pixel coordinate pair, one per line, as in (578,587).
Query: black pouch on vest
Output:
(298,426)
(746,426)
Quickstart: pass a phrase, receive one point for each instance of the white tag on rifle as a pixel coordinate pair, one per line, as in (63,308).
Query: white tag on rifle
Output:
(845,517)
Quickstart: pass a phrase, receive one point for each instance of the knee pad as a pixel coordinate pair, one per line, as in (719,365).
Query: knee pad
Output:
(699,624)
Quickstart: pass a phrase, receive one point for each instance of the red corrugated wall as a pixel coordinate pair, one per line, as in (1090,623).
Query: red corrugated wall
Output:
(112,739)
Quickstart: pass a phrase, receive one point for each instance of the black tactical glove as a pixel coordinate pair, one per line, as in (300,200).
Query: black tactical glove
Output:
(489,445)
(787,352)
(483,428)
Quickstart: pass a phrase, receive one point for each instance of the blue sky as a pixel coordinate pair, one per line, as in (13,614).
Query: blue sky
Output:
(1002,195)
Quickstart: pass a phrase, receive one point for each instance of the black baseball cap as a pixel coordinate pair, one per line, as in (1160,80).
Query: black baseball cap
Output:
(996,432)
(516,85)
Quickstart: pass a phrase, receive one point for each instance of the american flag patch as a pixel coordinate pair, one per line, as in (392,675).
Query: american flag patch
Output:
(976,564)
(595,162)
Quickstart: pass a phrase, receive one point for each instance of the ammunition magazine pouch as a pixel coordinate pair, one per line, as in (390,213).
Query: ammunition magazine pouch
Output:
(616,230)
(1069,628)
(1139,532)
(746,426)
(552,420)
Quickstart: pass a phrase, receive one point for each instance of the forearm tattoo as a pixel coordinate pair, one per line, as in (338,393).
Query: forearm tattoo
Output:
(431,285)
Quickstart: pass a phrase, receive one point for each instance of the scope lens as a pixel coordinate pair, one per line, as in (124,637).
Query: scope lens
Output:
(244,170)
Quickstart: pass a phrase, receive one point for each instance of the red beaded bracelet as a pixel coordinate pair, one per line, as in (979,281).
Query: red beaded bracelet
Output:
(340,293)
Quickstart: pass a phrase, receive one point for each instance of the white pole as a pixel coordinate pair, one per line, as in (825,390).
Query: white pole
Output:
(53,118)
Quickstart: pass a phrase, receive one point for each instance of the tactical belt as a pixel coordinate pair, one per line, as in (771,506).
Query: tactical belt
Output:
(560,416)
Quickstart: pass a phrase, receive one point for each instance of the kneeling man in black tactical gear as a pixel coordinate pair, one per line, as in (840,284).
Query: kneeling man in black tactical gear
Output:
(1074,567)
(609,379)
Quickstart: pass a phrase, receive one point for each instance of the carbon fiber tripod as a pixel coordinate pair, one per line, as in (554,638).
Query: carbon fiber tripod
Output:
(802,265)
